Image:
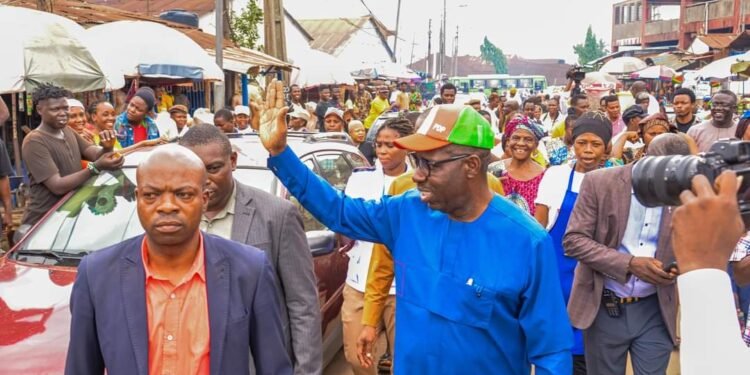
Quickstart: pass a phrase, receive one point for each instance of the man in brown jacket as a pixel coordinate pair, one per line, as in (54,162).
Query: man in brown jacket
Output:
(621,296)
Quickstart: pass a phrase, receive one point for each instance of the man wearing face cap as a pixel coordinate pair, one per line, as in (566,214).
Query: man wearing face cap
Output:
(496,309)
(134,125)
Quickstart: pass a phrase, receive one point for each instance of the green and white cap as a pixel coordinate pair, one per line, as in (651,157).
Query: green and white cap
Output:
(447,124)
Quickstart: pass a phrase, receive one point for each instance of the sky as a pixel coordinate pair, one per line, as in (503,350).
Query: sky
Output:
(527,28)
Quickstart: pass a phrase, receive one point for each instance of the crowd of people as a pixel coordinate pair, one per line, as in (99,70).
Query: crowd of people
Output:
(490,238)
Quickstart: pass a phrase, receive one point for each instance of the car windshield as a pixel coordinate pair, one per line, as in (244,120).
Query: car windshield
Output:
(102,213)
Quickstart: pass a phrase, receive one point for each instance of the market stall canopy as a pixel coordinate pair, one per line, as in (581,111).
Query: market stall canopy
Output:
(654,72)
(42,47)
(742,68)
(623,65)
(153,50)
(722,68)
(385,70)
(319,68)
(236,58)
(599,79)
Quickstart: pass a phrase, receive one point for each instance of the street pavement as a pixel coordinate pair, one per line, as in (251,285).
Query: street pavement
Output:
(338,366)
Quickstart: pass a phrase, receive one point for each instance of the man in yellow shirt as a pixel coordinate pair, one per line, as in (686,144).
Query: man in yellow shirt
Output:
(380,275)
(579,104)
(378,106)
(403,97)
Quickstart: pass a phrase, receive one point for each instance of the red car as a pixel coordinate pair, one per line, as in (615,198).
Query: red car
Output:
(37,275)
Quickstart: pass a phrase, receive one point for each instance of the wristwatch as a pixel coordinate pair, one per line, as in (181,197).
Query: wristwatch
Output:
(92,168)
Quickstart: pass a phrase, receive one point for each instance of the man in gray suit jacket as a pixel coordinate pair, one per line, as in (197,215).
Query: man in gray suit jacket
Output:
(621,296)
(254,217)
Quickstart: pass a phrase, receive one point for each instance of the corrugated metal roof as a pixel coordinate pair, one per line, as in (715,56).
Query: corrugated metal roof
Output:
(670,60)
(717,41)
(329,35)
(154,7)
(91,14)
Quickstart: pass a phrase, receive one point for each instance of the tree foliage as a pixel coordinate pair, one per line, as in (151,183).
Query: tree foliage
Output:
(244,26)
(494,56)
(591,49)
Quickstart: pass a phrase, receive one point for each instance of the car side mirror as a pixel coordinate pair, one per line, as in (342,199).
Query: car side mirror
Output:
(321,242)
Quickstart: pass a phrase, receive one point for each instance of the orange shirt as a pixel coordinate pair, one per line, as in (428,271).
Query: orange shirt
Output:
(178,331)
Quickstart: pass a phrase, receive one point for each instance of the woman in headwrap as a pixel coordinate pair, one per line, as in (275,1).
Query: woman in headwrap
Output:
(648,129)
(522,174)
(77,119)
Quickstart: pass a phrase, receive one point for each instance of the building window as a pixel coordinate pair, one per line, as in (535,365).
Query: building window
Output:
(638,12)
(628,13)
(617,15)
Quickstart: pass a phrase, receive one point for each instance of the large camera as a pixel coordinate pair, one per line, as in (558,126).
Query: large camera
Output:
(659,180)
(576,74)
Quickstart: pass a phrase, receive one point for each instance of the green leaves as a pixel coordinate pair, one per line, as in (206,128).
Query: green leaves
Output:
(494,56)
(244,27)
(590,50)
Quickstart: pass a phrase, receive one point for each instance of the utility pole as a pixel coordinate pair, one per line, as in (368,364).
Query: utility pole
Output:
(45,6)
(455,53)
(443,31)
(413,43)
(398,18)
(441,47)
(275,36)
(429,66)
(219,93)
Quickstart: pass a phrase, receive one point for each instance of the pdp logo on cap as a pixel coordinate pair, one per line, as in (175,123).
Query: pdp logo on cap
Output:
(449,124)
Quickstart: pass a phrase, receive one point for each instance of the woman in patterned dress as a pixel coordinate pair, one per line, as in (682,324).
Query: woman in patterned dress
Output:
(522,174)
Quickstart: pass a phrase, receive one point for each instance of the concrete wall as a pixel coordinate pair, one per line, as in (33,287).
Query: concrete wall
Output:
(625,31)
(662,27)
(721,9)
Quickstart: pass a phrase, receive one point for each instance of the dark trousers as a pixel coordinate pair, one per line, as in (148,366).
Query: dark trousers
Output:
(579,365)
(639,329)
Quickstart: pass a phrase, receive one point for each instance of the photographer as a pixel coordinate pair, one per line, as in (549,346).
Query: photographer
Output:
(711,343)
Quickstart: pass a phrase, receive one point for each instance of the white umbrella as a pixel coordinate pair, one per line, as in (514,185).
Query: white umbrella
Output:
(722,68)
(41,47)
(386,70)
(599,78)
(654,72)
(625,64)
(319,68)
(149,49)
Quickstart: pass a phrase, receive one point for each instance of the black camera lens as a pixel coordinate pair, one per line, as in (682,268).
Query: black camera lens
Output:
(659,180)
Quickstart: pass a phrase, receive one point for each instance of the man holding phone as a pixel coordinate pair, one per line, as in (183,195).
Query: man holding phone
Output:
(622,297)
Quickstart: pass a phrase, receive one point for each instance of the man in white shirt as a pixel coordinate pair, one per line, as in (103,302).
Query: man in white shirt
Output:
(553,115)
(179,114)
(622,297)
(711,340)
